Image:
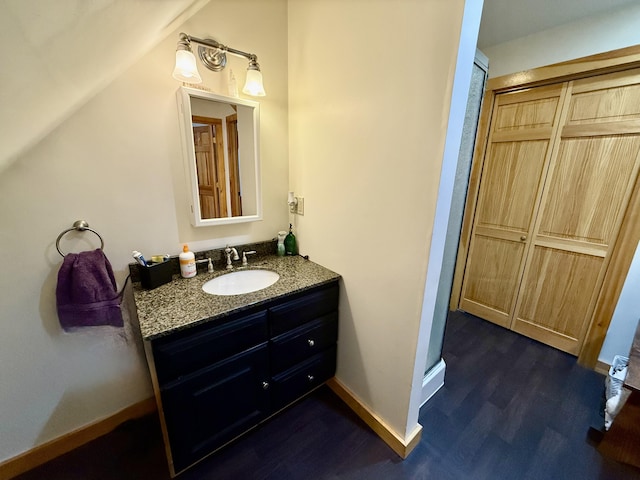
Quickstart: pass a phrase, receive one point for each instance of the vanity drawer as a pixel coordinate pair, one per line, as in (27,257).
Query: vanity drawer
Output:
(307,307)
(295,382)
(204,346)
(296,345)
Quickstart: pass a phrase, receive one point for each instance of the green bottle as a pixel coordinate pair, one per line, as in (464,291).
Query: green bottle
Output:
(290,245)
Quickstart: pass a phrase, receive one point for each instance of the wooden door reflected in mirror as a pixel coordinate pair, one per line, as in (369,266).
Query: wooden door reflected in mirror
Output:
(217,174)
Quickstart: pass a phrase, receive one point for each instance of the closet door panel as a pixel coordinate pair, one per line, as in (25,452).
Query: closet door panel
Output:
(513,173)
(588,189)
(505,212)
(586,194)
(604,99)
(508,195)
(492,272)
(526,110)
(558,290)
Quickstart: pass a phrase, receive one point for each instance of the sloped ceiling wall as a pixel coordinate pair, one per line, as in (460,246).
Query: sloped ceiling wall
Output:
(54,56)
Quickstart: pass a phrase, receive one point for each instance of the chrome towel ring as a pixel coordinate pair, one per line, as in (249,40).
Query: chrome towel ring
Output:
(80,226)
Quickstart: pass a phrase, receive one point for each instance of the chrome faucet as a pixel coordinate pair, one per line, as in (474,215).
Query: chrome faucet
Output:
(244,257)
(229,251)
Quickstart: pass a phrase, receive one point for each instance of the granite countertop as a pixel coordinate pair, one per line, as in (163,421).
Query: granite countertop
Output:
(182,303)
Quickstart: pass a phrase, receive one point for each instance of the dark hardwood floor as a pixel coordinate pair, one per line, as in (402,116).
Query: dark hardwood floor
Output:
(511,408)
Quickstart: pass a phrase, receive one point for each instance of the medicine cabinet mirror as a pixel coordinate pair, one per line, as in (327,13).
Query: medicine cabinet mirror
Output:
(221,154)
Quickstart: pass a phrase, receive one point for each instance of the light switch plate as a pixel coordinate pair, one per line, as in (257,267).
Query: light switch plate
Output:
(300,206)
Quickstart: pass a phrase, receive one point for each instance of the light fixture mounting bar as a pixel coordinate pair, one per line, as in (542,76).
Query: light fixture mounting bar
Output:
(219,46)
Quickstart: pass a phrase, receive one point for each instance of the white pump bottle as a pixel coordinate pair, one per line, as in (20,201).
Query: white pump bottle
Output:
(187,263)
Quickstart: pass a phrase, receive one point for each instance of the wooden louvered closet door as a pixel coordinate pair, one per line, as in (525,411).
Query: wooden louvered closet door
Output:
(517,156)
(559,170)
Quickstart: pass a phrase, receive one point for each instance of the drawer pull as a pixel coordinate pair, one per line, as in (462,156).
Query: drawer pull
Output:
(265,385)
(311,378)
(311,342)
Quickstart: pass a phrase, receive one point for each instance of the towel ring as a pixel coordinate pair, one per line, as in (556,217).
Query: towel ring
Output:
(80,226)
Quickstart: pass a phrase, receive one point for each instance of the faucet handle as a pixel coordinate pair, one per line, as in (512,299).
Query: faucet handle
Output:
(244,257)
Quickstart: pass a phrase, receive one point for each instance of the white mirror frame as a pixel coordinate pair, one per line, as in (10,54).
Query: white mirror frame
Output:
(184,95)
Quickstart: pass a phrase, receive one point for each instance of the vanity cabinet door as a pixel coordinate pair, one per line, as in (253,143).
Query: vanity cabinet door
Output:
(210,407)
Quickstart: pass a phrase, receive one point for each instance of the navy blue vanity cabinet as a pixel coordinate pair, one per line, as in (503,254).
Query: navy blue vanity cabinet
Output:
(217,380)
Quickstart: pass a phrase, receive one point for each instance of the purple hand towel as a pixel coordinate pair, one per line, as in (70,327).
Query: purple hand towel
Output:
(87,294)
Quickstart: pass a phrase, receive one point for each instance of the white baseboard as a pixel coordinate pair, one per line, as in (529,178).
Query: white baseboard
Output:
(433,381)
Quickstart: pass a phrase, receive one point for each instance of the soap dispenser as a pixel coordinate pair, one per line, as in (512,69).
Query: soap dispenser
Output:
(187,263)
(281,235)
(290,245)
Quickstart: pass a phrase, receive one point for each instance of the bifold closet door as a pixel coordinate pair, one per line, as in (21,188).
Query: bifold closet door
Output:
(518,152)
(591,176)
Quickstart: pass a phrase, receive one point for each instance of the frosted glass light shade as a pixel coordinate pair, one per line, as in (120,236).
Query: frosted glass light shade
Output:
(253,85)
(186,69)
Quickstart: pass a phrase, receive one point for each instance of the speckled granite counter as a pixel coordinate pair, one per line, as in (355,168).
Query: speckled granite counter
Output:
(182,303)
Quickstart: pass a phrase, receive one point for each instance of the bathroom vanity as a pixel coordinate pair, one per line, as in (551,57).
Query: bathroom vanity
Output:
(220,365)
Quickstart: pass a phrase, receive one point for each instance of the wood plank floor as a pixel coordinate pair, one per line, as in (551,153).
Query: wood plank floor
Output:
(511,409)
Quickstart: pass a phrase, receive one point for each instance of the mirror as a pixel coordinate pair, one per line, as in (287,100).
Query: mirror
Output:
(220,148)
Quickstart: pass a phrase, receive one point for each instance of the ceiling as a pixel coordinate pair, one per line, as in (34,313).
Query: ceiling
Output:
(504,20)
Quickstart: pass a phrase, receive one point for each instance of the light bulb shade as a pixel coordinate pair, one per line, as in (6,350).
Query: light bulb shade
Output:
(186,69)
(253,85)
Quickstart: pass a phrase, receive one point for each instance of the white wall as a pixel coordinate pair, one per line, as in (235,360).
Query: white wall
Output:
(369,102)
(625,317)
(116,163)
(588,36)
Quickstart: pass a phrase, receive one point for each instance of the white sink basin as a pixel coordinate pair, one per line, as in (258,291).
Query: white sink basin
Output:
(244,281)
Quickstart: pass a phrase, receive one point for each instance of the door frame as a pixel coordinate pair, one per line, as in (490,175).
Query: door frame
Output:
(629,235)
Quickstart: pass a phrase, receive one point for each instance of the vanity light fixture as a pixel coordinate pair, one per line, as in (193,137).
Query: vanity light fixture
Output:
(214,56)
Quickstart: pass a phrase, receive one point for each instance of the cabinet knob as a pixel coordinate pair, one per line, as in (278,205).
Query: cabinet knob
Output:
(523,238)
(311,378)
(311,342)
(265,385)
